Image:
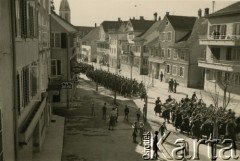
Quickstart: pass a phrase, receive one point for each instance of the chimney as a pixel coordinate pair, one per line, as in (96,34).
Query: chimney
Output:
(199,13)
(133,18)
(95,25)
(155,16)
(119,19)
(167,13)
(206,12)
(159,18)
(141,18)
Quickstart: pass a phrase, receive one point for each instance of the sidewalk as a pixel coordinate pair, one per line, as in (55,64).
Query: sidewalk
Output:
(53,143)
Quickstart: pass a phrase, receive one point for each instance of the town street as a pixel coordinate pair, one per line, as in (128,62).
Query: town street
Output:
(87,137)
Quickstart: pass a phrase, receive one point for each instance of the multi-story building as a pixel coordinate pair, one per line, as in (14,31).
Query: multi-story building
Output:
(132,58)
(182,59)
(103,42)
(89,45)
(24,62)
(82,31)
(63,51)
(222,60)
(179,49)
(8,108)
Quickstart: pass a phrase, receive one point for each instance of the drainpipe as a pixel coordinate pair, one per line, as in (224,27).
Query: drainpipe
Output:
(15,108)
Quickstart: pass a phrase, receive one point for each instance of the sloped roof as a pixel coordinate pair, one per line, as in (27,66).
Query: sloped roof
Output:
(231,9)
(84,30)
(65,24)
(199,28)
(153,28)
(111,25)
(92,35)
(181,22)
(64,6)
(152,43)
(141,25)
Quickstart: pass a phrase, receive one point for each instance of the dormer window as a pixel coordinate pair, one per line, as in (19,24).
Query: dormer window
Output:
(167,23)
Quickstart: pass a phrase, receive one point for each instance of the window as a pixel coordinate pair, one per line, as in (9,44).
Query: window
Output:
(169,53)
(55,40)
(56,68)
(174,70)
(169,36)
(145,61)
(181,54)
(211,75)
(168,69)
(25,86)
(130,35)
(236,29)
(33,81)
(18,22)
(181,71)
(175,56)
(236,54)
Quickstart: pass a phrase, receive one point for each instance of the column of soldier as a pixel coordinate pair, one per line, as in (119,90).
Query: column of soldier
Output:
(193,116)
(114,82)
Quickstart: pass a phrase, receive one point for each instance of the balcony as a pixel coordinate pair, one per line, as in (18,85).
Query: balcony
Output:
(220,40)
(224,65)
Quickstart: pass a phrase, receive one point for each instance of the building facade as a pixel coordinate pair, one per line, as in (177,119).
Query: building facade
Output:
(89,45)
(132,58)
(222,58)
(103,42)
(25,66)
(63,52)
(8,109)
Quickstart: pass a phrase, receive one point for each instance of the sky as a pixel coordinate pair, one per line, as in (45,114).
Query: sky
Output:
(89,12)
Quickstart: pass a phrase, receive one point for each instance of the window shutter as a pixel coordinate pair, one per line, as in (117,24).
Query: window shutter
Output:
(23,14)
(18,94)
(63,40)
(59,67)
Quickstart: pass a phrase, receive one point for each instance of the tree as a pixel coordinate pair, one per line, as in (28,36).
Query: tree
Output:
(225,83)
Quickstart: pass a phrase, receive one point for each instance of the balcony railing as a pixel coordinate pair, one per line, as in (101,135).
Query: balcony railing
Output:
(219,37)
(220,62)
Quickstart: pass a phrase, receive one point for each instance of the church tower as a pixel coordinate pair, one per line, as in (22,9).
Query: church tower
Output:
(64,10)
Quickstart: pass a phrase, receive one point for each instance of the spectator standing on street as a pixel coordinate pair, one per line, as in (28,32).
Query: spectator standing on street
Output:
(104,111)
(93,110)
(126,112)
(145,112)
(161,76)
(175,84)
(135,132)
(141,131)
(155,147)
(163,128)
(170,85)
(138,114)
(112,120)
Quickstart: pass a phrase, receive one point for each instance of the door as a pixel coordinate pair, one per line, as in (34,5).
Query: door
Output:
(216,53)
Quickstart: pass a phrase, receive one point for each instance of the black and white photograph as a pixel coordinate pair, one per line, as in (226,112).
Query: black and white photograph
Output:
(119,80)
